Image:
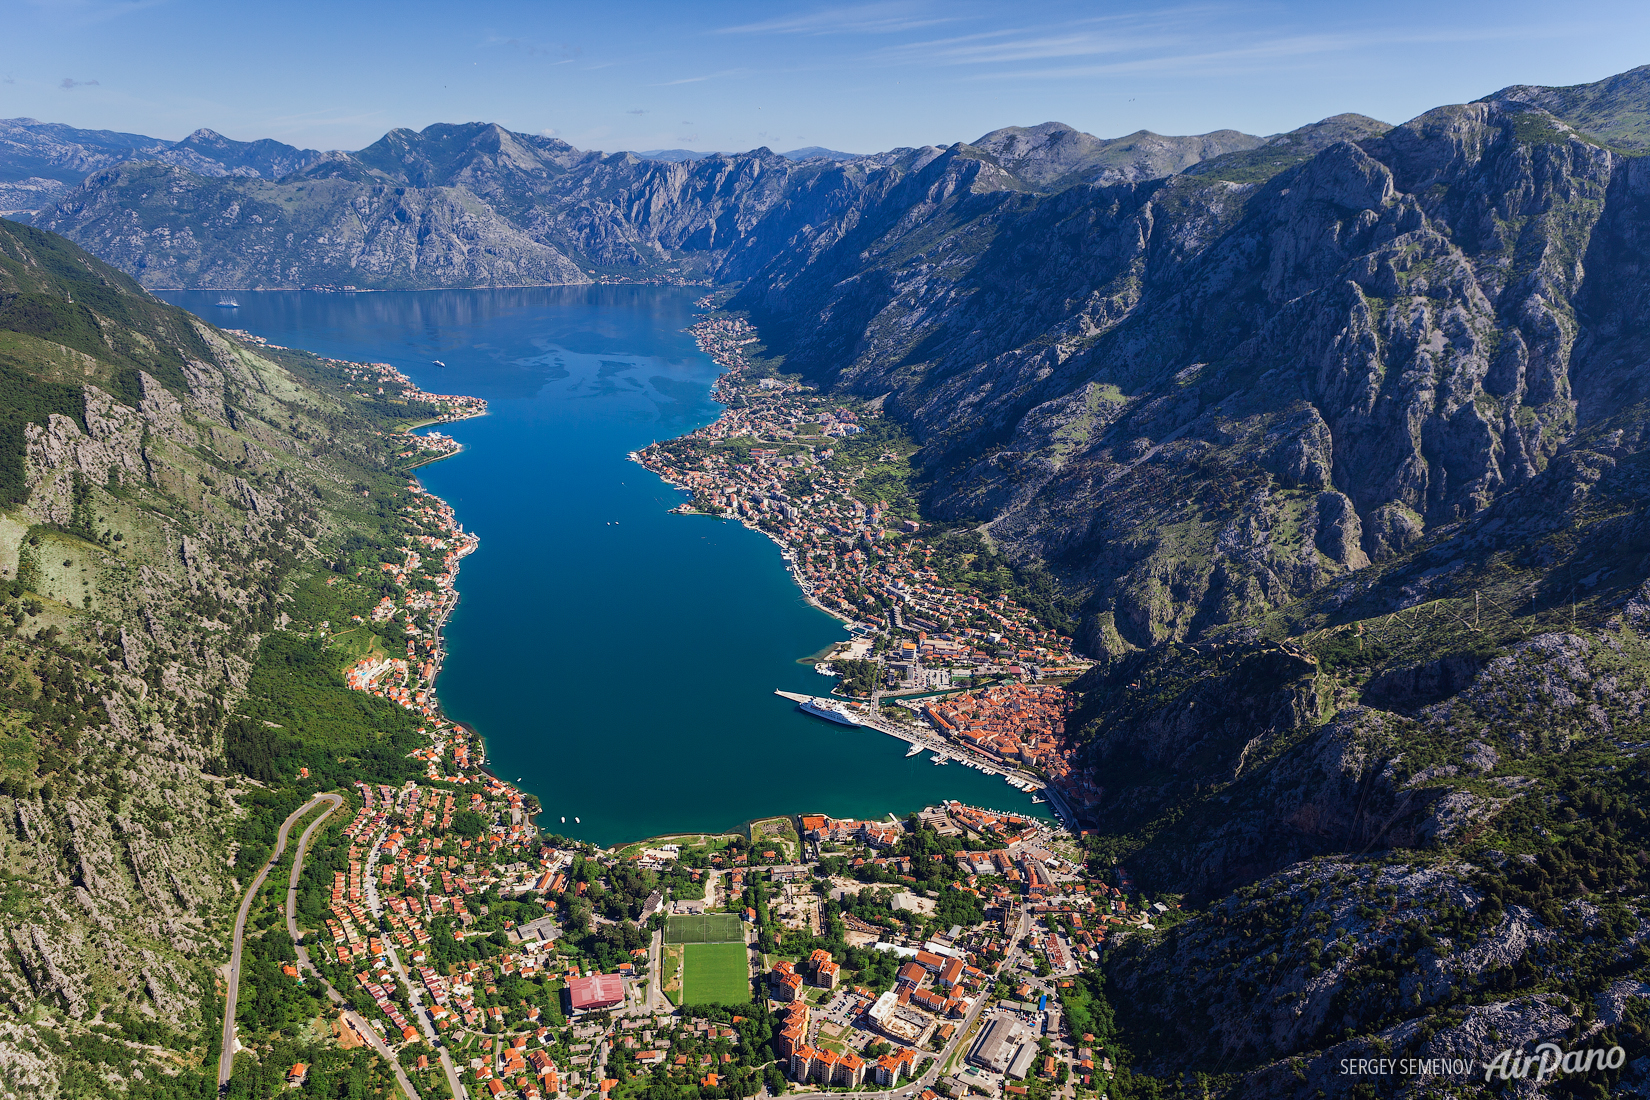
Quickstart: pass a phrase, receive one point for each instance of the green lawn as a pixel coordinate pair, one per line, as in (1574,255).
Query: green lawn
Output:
(705,928)
(716,973)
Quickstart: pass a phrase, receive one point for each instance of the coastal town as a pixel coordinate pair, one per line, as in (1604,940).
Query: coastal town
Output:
(790,462)
(424,579)
(952,953)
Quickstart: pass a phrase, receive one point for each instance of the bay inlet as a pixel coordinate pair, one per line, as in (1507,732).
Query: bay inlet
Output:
(619,660)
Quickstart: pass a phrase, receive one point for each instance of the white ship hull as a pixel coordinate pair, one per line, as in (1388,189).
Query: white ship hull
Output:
(831,712)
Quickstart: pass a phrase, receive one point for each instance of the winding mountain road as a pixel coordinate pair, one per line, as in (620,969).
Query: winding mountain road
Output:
(226,1059)
(355,1021)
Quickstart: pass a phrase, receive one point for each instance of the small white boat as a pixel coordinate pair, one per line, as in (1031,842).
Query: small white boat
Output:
(575,821)
(564,821)
(228,301)
(438,362)
(914,750)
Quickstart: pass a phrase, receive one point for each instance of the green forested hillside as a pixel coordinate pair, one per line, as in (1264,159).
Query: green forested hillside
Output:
(165,493)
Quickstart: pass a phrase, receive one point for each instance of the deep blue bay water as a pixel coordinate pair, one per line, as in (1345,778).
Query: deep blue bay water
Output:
(619,660)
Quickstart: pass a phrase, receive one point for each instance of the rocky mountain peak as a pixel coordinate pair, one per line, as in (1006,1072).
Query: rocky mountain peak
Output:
(1615,110)
(1053,155)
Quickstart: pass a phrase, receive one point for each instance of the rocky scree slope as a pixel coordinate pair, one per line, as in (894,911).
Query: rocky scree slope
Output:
(164,489)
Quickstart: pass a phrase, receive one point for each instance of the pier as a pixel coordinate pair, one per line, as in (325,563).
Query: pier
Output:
(1020,780)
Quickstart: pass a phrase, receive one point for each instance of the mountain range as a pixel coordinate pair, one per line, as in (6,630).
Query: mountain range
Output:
(475,204)
(1338,440)
(806,153)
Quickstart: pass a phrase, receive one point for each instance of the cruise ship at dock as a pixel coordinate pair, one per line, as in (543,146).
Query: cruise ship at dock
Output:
(831,711)
(828,709)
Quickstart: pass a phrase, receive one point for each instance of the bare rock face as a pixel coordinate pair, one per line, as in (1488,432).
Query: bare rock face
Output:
(1391,529)
(1121,355)
(1347,326)
(110,450)
(1339,534)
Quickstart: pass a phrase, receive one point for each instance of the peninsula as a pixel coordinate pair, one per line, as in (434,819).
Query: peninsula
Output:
(937,617)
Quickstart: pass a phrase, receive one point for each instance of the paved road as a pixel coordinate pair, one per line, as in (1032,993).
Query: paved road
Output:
(226,1058)
(655,971)
(415,994)
(913,1087)
(352,1018)
(415,991)
(370,1034)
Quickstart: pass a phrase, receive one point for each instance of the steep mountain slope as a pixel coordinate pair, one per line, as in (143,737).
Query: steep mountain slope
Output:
(50,150)
(1408,816)
(165,489)
(1616,110)
(475,204)
(1197,398)
(237,232)
(41,162)
(1287,150)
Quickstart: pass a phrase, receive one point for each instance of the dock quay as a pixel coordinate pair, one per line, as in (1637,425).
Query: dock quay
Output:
(1015,778)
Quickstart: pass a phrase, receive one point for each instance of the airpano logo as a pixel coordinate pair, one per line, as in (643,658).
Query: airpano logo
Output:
(1549,1059)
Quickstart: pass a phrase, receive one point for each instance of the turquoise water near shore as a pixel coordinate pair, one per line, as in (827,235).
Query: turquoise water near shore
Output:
(620,661)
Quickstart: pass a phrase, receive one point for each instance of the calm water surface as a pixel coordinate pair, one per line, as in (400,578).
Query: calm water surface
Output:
(619,660)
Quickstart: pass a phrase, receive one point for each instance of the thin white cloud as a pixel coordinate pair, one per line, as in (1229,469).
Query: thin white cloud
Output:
(889,18)
(701,79)
(1263,53)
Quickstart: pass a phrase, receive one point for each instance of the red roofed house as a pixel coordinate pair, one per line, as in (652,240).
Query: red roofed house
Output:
(827,974)
(824,1066)
(596,992)
(850,1071)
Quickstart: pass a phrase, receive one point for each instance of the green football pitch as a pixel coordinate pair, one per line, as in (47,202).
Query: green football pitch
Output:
(715,973)
(705,928)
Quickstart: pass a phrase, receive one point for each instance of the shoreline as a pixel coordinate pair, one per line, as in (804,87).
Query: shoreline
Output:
(862,556)
(446,729)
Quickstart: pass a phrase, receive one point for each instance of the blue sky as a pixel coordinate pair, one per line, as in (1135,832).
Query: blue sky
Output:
(735,75)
